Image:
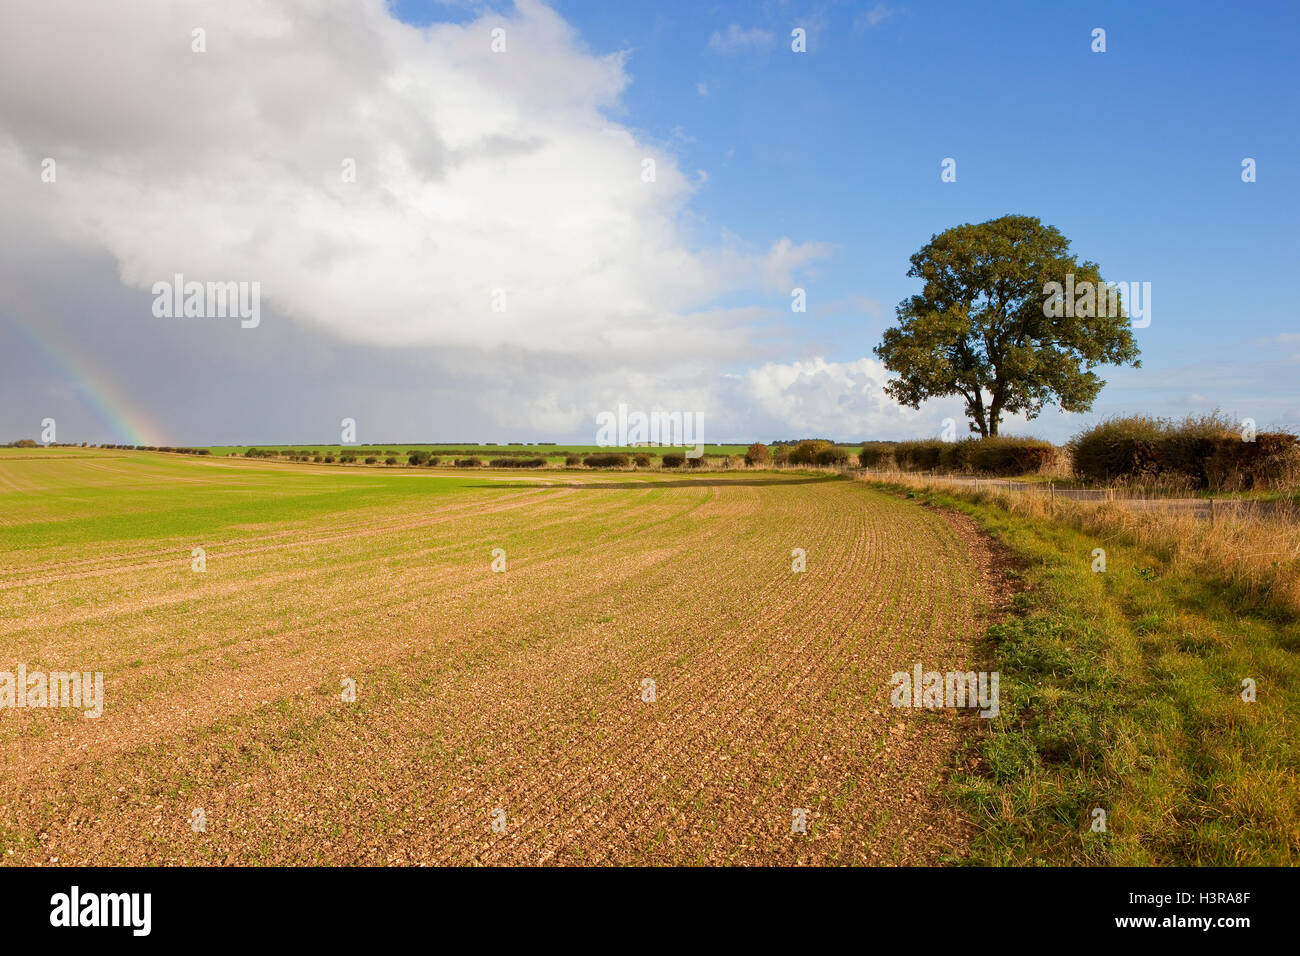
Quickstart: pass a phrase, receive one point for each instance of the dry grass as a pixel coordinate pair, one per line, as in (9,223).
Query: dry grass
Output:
(1250,549)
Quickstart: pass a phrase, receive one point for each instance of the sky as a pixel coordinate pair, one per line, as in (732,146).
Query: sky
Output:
(450,242)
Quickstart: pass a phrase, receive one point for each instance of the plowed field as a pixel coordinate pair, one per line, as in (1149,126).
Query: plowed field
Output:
(477,691)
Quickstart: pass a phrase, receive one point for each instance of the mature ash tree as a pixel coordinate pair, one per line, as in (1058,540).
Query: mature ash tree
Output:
(990,326)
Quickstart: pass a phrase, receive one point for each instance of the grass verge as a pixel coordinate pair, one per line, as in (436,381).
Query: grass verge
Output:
(1122,692)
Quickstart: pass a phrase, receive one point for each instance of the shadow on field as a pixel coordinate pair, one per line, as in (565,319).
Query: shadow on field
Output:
(640,484)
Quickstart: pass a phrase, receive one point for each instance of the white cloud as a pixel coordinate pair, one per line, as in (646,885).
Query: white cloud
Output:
(874,17)
(702,88)
(475,171)
(840,400)
(774,400)
(737,39)
(1286,339)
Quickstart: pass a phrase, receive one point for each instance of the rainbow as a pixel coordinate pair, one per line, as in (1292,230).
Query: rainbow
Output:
(129,424)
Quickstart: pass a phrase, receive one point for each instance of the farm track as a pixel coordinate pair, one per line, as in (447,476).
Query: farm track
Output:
(518,691)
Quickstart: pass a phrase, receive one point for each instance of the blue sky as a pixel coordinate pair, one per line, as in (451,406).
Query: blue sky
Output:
(1134,153)
(820,169)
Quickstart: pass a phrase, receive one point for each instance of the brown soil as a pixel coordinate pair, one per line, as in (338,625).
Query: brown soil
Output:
(520,691)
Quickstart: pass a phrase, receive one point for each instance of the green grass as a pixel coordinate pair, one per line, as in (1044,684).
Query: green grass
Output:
(1122,690)
(97,498)
(60,451)
(113,498)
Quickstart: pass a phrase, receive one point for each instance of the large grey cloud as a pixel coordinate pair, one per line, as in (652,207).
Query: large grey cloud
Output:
(475,171)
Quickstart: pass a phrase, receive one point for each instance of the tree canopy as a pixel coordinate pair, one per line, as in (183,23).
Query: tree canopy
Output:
(989,324)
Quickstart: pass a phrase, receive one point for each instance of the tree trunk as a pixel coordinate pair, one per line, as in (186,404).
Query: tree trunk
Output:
(980,418)
(995,415)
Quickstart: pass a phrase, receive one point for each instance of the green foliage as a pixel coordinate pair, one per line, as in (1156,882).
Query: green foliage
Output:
(1272,460)
(806,452)
(997,456)
(979,328)
(876,454)
(607,461)
(1003,455)
(918,455)
(1197,452)
(832,457)
(757,455)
